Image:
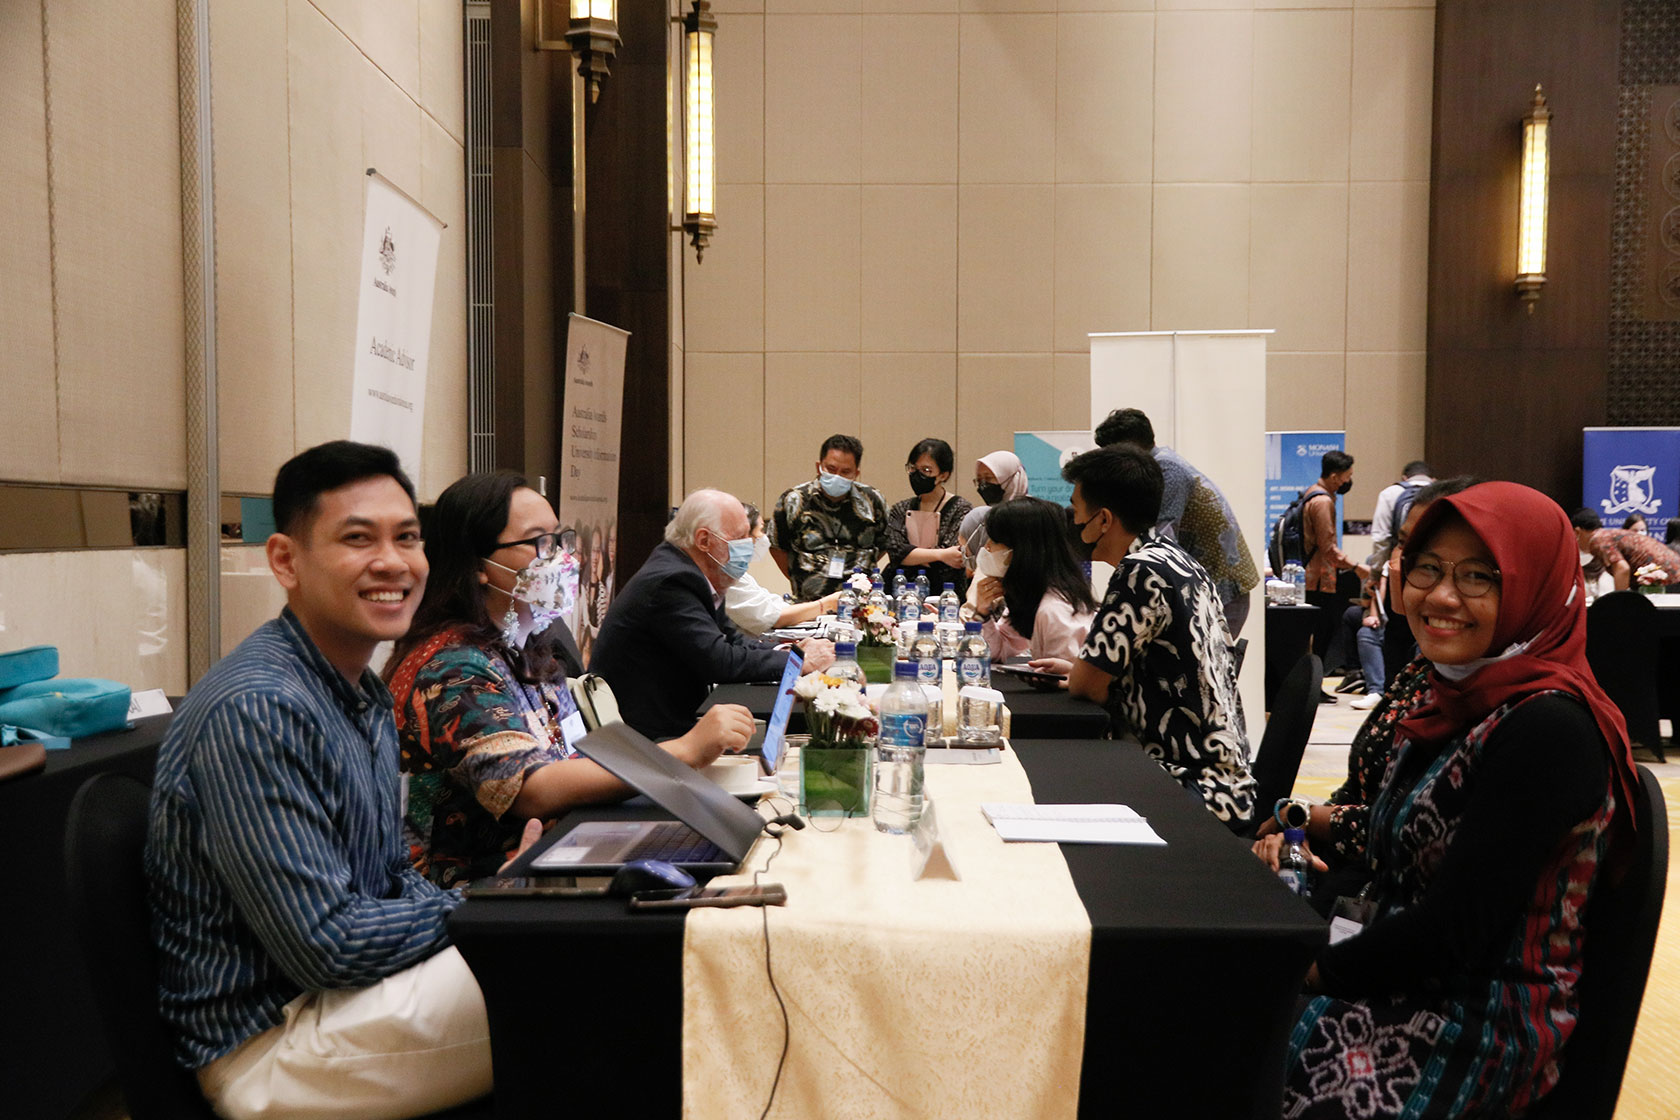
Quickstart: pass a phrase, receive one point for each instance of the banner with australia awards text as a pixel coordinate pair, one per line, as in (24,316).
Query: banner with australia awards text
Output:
(590,431)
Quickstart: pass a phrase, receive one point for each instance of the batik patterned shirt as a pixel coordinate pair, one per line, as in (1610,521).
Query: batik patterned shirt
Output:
(812,529)
(471,732)
(1196,514)
(1160,633)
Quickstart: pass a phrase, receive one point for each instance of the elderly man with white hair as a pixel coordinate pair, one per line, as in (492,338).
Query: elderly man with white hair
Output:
(666,639)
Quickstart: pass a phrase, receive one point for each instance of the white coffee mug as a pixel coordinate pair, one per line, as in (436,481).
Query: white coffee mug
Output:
(735,773)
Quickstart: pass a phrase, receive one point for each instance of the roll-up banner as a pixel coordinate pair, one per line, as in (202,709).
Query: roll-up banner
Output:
(1043,455)
(1625,471)
(394,321)
(1292,465)
(589,442)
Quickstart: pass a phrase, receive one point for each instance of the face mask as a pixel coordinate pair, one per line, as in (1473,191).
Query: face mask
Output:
(541,587)
(1586,558)
(1083,549)
(1345,487)
(990,492)
(740,555)
(761,548)
(993,562)
(921,483)
(833,485)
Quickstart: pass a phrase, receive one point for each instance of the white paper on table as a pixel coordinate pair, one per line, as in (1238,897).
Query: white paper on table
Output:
(1070,824)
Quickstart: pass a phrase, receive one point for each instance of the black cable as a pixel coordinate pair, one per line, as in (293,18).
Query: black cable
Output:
(770,975)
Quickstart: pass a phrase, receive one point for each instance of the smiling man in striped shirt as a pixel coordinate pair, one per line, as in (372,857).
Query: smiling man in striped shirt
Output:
(303,964)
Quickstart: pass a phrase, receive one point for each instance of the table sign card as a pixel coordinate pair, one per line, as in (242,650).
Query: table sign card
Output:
(151,702)
(928,857)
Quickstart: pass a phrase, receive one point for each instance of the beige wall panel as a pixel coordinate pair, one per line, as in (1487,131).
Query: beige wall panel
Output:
(1007,118)
(1200,257)
(1394,4)
(1302,64)
(120,614)
(1105,89)
(1306,392)
(997,396)
(1393,91)
(1201,5)
(1388,257)
(30,449)
(1102,261)
(1203,93)
(346,15)
(1261,5)
(1005,275)
(725,6)
(390,130)
(443,191)
(738,73)
(540,329)
(1070,411)
(117,226)
(250,595)
(726,290)
(812,267)
(253,243)
(724,422)
(909,121)
(442,50)
(932,7)
(1008,6)
(1298,276)
(1108,5)
(327,184)
(391,39)
(812,98)
(910,268)
(889,433)
(807,398)
(1385,418)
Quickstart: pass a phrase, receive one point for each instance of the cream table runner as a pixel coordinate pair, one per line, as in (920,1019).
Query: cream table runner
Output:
(906,998)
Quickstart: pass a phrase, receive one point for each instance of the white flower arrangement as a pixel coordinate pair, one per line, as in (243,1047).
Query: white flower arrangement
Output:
(1651,574)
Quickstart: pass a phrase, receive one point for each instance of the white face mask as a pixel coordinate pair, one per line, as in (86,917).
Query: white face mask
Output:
(761,548)
(993,562)
(540,587)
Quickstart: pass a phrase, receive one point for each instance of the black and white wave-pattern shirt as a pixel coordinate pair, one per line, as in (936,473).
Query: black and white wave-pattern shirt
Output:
(1160,632)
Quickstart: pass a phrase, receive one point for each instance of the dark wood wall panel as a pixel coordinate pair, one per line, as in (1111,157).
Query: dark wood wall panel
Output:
(1508,393)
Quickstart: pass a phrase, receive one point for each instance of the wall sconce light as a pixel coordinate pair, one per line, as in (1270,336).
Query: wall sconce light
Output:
(1531,212)
(699,165)
(591,35)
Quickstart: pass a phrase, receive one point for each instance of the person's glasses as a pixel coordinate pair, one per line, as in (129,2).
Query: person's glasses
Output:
(546,544)
(1471,578)
(925,472)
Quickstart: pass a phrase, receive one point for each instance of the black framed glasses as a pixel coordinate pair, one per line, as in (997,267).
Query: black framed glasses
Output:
(1470,578)
(546,544)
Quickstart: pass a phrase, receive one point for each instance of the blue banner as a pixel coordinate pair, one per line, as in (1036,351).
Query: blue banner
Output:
(1292,465)
(1631,470)
(1043,454)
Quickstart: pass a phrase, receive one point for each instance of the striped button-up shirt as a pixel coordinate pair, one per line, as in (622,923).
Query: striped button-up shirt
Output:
(275,852)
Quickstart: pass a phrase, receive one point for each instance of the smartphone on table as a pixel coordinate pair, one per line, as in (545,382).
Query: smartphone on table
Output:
(689,898)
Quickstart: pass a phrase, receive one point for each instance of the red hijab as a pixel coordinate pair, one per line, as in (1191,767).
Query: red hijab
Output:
(1542,602)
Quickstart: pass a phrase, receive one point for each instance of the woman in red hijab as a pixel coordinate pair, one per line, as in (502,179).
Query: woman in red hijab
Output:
(1495,820)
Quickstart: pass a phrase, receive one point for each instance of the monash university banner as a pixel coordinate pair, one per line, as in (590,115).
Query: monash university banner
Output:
(394,322)
(1631,470)
(589,439)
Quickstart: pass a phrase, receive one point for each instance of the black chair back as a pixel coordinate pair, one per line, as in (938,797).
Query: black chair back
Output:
(104,841)
(1622,648)
(1621,933)
(1287,730)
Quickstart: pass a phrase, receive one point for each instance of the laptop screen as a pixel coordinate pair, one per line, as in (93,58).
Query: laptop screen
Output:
(776,730)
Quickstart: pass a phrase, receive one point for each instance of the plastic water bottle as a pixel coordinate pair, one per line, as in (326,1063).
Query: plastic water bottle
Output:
(877,597)
(909,614)
(898,584)
(1297,576)
(900,753)
(845,665)
(925,653)
(974,658)
(979,716)
(923,587)
(1293,866)
(950,607)
(846,606)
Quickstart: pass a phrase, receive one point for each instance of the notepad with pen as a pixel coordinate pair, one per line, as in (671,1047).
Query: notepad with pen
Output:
(1070,824)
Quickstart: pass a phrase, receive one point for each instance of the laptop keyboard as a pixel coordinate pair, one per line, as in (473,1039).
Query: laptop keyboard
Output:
(675,842)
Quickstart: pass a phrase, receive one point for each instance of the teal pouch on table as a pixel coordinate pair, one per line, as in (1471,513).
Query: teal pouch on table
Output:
(23,666)
(73,708)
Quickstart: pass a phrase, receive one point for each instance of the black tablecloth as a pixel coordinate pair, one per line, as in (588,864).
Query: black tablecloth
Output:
(1197,954)
(1034,714)
(50,1035)
(1289,632)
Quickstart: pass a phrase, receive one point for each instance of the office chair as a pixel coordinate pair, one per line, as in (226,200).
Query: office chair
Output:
(1623,651)
(1288,728)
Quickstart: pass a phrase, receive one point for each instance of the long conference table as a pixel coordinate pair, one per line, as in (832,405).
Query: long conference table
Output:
(1197,956)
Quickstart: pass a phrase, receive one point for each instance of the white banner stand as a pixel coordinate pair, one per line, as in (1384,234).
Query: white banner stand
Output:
(1205,393)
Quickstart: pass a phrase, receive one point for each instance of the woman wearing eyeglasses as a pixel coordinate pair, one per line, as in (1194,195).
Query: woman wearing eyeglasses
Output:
(1509,793)
(487,727)
(922,531)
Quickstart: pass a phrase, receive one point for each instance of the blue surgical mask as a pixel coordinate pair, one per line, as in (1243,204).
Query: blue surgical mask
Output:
(833,485)
(740,555)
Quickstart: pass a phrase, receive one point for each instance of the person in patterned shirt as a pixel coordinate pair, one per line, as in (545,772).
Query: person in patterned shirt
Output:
(487,727)
(1621,552)
(1158,656)
(822,529)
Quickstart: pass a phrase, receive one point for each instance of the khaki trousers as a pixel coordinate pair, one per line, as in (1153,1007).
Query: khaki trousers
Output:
(414,1043)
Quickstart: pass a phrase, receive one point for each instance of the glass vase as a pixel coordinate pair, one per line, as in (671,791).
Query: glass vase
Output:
(835,781)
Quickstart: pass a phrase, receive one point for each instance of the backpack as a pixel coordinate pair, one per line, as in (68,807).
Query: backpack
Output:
(1289,531)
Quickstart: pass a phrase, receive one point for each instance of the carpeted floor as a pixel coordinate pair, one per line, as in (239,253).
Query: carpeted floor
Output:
(1651,1087)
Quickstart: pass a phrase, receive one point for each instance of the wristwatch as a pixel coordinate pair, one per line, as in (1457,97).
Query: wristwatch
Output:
(1292,812)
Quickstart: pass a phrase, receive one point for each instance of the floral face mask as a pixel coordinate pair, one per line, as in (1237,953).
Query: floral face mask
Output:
(540,588)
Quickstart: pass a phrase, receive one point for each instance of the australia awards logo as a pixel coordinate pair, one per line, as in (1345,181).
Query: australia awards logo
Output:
(388,253)
(1632,490)
(583,360)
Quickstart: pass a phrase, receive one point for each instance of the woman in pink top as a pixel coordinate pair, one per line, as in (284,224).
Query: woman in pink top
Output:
(1035,600)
